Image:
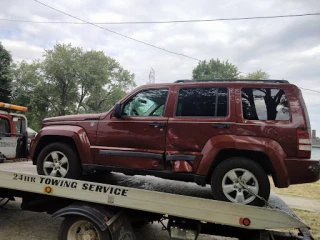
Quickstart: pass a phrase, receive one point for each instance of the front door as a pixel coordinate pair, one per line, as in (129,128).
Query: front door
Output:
(137,139)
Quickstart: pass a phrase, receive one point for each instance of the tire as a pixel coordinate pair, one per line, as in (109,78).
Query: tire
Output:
(70,226)
(225,184)
(59,152)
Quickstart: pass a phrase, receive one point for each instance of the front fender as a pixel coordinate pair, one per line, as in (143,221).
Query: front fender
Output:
(76,133)
(268,146)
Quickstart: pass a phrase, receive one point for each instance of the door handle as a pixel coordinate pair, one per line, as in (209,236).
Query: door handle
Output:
(156,124)
(221,125)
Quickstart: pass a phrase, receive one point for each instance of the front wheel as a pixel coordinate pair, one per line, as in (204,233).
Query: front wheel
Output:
(76,227)
(239,180)
(59,160)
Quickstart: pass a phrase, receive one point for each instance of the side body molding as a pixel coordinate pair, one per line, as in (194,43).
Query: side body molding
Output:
(268,146)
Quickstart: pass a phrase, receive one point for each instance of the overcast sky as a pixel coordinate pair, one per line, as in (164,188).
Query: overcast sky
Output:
(286,48)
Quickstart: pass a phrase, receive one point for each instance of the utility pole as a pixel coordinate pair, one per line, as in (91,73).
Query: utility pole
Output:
(152,78)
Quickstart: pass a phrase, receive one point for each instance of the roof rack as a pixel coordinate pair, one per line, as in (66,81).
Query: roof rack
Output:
(231,80)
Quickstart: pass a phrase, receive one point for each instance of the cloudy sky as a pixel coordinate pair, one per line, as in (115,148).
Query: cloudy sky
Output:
(286,48)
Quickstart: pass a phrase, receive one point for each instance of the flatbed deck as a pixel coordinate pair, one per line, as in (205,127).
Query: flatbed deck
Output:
(151,194)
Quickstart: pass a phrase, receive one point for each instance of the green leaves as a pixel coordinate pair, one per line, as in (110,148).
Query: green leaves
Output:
(5,78)
(258,75)
(69,80)
(215,69)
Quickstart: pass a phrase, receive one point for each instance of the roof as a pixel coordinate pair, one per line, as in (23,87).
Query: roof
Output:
(232,80)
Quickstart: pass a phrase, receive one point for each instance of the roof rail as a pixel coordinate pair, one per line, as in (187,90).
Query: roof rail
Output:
(231,80)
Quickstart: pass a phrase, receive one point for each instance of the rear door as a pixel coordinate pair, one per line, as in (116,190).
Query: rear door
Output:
(200,113)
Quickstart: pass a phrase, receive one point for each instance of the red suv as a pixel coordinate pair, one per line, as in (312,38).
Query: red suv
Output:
(230,134)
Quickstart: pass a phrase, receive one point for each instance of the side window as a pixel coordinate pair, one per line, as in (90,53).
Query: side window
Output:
(4,127)
(264,104)
(202,102)
(18,126)
(149,102)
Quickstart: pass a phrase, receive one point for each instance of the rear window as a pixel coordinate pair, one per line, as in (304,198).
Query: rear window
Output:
(264,104)
(4,127)
(202,102)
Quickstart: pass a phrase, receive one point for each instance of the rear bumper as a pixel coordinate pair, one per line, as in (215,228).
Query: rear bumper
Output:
(302,170)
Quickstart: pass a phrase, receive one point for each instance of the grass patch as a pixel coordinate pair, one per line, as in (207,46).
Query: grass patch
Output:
(308,190)
(312,219)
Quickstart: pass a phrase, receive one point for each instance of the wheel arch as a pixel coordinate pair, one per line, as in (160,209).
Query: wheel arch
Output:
(266,152)
(96,214)
(259,157)
(74,136)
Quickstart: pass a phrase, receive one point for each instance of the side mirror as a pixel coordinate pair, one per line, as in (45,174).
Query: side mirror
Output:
(117,110)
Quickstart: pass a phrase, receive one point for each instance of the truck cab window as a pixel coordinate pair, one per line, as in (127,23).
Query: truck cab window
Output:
(18,126)
(150,102)
(4,127)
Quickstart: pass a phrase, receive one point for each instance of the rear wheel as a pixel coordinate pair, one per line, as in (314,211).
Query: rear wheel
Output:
(80,228)
(239,180)
(59,160)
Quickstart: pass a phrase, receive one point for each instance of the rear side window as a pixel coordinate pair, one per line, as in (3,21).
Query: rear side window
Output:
(202,102)
(4,127)
(264,104)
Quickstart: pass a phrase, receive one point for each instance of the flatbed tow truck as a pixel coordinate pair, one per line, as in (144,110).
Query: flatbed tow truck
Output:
(97,210)
(107,206)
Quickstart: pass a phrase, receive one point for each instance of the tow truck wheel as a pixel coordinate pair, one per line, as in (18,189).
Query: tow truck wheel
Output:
(240,180)
(80,228)
(59,160)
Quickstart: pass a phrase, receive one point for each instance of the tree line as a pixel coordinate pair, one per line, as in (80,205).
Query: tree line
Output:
(70,80)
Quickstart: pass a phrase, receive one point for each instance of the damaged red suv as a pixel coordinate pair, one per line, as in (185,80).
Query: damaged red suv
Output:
(230,134)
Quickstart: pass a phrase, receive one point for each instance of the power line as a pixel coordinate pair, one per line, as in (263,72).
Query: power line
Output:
(122,35)
(165,22)
(310,90)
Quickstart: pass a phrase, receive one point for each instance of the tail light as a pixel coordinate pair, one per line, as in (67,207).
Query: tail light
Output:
(303,143)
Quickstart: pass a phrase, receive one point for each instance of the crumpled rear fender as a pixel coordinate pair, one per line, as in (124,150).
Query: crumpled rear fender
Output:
(268,146)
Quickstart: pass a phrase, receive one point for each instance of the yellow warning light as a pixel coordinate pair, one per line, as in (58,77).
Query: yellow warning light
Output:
(13,107)
(48,189)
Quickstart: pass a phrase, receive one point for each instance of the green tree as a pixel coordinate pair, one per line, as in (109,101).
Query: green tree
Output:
(69,80)
(215,69)
(61,70)
(258,75)
(29,89)
(5,78)
(102,82)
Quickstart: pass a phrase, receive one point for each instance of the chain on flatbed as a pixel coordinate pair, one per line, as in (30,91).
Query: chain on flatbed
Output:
(256,195)
(267,204)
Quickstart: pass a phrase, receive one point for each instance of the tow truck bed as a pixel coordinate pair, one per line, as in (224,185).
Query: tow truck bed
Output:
(167,198)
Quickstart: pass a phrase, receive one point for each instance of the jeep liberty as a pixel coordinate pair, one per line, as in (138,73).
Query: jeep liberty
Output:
(230,134)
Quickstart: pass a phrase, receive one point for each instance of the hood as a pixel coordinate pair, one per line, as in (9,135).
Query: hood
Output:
(79,117)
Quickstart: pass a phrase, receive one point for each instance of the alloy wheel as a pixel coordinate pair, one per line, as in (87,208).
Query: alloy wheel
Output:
(239,184)
(56,164)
